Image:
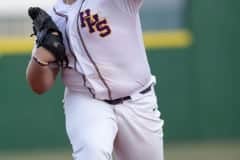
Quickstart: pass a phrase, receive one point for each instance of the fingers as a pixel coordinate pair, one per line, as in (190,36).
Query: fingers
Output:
(33,12)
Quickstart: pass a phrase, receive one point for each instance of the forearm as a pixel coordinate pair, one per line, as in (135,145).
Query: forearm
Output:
(41,78)
(50,48)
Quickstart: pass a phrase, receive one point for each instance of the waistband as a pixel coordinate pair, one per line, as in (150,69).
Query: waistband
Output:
(122,99)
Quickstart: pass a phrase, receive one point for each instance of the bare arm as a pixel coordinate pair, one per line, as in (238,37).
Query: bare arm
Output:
(41,78)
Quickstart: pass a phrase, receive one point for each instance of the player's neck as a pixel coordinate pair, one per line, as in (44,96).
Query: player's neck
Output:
(69,1)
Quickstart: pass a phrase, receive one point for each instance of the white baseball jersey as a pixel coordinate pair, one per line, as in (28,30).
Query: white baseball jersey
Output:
(105,46)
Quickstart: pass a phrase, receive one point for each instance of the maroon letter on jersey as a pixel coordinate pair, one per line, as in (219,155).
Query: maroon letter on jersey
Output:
(94,23)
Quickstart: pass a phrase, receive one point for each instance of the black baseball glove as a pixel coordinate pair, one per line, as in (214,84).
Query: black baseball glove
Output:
(48,35)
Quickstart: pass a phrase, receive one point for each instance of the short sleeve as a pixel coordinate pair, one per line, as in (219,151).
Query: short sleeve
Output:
(130,6)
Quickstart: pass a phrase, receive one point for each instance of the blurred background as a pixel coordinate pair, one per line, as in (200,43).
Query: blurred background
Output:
(193,49)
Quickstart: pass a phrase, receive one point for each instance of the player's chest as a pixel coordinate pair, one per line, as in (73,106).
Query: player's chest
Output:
(90,18)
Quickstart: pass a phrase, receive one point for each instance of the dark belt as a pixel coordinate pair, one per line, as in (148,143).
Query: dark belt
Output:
(122,99)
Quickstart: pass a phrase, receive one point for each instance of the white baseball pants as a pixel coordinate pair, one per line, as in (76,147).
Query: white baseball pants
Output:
(131,130)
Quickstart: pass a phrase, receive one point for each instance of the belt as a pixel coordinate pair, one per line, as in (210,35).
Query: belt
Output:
(122,99)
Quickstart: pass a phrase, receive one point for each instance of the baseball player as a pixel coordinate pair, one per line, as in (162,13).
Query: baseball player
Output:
(109,102)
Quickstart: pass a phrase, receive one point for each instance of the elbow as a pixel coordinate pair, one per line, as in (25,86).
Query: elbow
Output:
(39,79)
(37,86)
(37,90)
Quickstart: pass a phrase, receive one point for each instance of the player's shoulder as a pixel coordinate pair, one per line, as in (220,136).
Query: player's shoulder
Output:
(130,6)
(57,9)
(129,2)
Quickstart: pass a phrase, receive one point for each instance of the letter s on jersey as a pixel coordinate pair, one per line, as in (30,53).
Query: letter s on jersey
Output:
(103,28)
(94,23)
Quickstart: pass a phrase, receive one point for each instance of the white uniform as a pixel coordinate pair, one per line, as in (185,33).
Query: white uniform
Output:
(107,62)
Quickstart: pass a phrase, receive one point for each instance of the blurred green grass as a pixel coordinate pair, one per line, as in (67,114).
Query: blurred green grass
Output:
(229,150)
